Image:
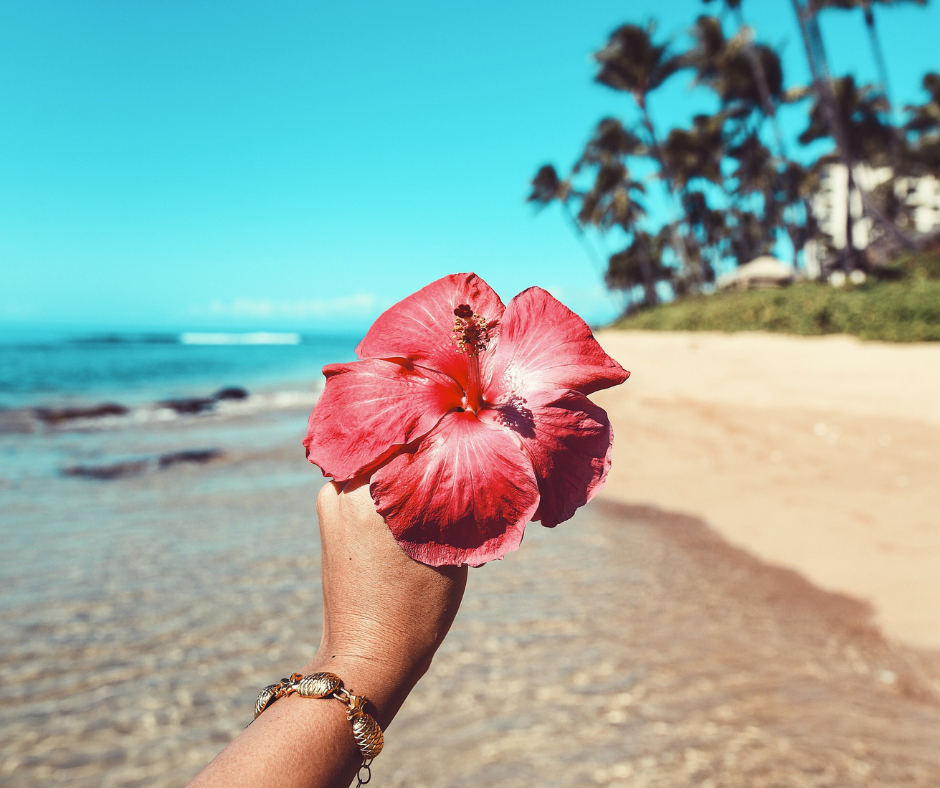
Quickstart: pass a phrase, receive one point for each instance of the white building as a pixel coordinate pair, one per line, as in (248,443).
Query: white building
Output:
(922,195)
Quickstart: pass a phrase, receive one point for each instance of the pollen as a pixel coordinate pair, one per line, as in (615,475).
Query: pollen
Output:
(471,333)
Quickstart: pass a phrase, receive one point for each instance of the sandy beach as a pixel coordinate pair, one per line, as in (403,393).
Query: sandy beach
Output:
(724,615)
(817,454)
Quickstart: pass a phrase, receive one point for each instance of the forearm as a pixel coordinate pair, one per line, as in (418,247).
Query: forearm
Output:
(384,616)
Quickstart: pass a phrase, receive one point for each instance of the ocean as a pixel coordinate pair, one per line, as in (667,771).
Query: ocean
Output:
(148,483)
(107,405)
(47,368)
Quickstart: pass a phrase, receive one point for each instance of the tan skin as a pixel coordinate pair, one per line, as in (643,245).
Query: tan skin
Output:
(384,617)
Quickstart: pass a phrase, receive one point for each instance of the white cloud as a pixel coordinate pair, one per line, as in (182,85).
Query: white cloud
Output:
(355,305)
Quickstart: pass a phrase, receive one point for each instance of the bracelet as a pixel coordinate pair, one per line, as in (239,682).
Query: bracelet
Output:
(366,730)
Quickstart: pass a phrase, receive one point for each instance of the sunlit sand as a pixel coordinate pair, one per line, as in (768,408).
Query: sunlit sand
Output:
(817,454)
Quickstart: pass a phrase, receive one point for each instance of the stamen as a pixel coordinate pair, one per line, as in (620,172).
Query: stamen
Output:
(471,333)
(471,337)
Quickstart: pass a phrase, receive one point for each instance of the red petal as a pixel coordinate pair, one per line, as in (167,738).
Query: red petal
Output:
(420,327)
(369,409)
(462,496)
(569,440)
(545,346)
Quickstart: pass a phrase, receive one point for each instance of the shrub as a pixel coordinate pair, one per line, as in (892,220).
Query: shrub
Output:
(907,310)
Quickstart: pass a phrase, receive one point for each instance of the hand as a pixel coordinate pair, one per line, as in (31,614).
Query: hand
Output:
(384,614)
(384,617)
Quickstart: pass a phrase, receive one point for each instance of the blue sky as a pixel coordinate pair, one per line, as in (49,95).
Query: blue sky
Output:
(303,165)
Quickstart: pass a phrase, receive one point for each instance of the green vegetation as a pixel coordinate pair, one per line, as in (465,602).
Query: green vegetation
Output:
(904,310)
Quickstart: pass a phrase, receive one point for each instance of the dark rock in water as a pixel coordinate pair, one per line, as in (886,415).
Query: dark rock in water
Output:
(189,405)
(198,456)
(231,392)
(116,470)
(127,468)
(59,415)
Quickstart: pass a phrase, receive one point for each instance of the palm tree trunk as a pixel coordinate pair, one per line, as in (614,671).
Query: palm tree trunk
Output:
(757,69)
(851,255)
(679,241)
(578,231)
(761,79)
(895,151)
(595,258)
(650,296)
(877,52)
(819,67)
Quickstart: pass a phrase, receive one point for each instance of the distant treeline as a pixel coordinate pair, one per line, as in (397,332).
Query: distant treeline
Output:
(734,188)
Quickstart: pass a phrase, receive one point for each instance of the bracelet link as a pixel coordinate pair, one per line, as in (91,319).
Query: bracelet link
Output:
(366,731)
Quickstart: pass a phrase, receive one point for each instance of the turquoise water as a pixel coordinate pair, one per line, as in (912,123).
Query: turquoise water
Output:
(50,367)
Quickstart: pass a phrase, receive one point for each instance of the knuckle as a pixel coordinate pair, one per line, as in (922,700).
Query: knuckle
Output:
(326,500)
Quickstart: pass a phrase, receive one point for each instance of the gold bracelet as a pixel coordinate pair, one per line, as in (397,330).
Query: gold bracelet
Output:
(366,730)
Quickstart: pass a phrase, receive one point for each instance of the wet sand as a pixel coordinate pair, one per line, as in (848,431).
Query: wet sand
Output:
(629,647)
(821,454)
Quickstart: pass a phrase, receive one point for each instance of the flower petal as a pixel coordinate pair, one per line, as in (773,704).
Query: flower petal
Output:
(420,327)
(461,496)
(545,346)
(569,440)
(369,409)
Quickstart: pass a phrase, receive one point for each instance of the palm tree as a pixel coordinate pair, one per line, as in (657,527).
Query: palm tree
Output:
(696,152)
(747,77)
(615,198)
(547,188)
(924,126)
(828,104)
(755,173)
(739,70)
(868,9)
(748,239)
(860,112)
(632,63)
(611,141)
(925,118)
(691,155)
(639,264)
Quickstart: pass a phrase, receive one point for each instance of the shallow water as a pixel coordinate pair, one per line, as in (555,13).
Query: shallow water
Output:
(139,618)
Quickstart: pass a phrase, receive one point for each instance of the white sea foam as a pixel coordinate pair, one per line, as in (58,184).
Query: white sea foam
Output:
(250,338)
(22,420)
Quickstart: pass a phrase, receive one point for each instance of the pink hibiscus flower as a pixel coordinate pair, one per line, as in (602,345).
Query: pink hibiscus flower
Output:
(470,417)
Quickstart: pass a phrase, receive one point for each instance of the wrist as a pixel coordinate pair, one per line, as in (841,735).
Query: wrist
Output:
(386,683)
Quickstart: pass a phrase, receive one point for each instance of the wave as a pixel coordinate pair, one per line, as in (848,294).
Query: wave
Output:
(125,339)
(185,338)
(109,415)
(250,338)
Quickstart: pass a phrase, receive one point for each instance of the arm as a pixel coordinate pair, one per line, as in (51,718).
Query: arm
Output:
(384,616)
